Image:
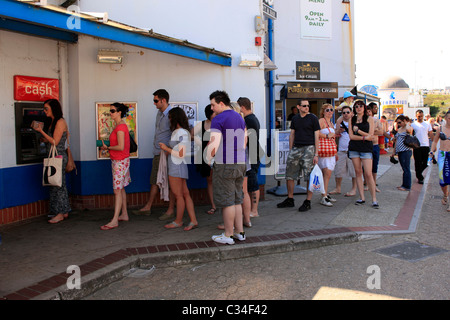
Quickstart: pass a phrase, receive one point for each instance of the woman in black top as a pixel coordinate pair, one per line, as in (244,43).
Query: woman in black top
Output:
(360,150)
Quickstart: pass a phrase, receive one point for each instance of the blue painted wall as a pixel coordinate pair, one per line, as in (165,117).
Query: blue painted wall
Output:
(23,184)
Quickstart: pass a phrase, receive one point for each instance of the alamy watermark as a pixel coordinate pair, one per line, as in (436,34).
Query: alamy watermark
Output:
(374,280)
(74,281)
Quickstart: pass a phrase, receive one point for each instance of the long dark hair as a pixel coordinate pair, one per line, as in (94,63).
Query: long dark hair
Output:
(178,116)
(56,111)
(122,108)
(365,116)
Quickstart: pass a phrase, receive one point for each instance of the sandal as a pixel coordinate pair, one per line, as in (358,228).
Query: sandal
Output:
(173,225)
(211,211)
(190,226)
(106,227)
(54,221)
(444,200)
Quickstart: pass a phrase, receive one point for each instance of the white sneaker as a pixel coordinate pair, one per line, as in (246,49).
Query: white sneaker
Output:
(326,202)
(239,236)
(222,238)
(331,199)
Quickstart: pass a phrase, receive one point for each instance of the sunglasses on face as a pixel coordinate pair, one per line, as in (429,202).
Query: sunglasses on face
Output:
(346,112)
(155,100)
(359,106)
(328,110)
(112,111)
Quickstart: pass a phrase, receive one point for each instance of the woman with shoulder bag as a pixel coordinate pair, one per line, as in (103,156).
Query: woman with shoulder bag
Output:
(327,150)
(119,151)
(404,152)
(57,135)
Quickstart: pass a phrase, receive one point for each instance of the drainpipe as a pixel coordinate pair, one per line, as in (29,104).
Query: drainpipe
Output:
(271,89)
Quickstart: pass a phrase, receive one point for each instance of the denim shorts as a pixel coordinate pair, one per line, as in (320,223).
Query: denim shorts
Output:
(357,154)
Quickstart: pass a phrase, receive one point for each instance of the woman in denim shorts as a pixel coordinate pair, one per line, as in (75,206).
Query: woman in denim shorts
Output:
(360,147)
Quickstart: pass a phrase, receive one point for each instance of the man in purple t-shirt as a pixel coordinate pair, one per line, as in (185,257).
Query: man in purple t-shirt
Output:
(227,146)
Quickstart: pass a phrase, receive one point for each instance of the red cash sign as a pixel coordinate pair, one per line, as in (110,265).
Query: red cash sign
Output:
(35,88)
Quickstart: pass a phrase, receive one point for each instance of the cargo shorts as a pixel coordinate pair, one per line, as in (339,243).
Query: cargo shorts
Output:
(227,181)
(300,162)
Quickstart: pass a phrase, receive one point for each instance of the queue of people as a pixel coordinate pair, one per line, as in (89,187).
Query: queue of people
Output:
(356,136)
(231,167)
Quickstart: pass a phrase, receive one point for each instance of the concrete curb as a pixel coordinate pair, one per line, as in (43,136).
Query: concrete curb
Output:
(116,271)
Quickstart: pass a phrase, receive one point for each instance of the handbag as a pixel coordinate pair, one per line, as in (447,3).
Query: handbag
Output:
(52,172)
(411,141)
(133,145)
(327,147)
(70,162)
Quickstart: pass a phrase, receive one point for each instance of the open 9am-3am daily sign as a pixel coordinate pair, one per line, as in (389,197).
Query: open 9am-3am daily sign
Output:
(316,22)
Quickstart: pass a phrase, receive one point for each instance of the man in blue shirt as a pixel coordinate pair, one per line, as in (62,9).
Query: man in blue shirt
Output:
(162,134)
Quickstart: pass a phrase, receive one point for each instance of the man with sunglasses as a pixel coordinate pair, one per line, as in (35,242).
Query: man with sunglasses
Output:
(162,134)
(303,145)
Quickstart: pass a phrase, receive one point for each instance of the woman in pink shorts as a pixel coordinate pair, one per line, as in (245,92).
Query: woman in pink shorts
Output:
(119,151)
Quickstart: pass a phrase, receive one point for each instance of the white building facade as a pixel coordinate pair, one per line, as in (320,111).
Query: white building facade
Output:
(313,48)
(190,48)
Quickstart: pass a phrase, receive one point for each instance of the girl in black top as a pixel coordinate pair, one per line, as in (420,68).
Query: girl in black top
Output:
(360,150)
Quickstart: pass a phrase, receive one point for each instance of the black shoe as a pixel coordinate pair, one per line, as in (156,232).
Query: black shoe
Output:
(305,206)
(420,181)
(288,202)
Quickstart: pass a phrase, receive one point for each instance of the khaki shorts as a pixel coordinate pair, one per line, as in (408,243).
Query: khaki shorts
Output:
(227,183)
(300,162)
(344,166)
(155,167)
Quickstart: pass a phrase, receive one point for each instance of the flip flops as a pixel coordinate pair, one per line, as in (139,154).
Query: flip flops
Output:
(173,225)
(190,226)
(106,227)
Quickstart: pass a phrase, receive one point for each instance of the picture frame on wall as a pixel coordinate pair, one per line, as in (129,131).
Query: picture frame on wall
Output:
(105,125)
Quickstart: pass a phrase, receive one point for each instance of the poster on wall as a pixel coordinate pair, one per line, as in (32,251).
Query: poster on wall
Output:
(105,125)
(282,152)
(316,19)
(191,110)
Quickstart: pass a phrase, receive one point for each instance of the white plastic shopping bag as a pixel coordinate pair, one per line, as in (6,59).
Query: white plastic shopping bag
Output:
(316,180)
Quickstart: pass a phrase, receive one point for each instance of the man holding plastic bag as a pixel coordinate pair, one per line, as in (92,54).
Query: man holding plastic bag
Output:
(303,146)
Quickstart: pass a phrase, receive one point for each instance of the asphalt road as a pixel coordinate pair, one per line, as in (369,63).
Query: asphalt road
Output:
(347,271)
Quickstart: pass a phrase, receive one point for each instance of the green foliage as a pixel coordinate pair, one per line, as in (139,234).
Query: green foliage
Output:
(438,103)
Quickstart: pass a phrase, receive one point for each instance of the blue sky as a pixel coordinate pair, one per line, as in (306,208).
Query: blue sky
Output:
(405,38)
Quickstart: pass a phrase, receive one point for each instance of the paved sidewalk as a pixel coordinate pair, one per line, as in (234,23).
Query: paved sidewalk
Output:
(34,257)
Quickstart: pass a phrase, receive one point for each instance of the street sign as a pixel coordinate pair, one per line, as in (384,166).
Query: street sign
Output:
(269,12)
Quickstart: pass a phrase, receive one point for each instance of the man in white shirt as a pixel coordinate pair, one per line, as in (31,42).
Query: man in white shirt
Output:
(423,132)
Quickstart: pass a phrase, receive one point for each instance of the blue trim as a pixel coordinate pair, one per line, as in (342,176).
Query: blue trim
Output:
(35,15)
(23,184)
(26,28)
